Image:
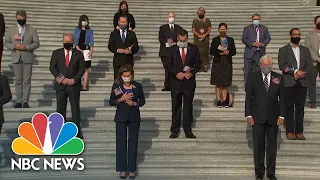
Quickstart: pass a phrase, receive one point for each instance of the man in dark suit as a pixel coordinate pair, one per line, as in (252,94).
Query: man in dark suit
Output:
(183,64)
(168,34)
(264,111)
(2,31)
(5,96)
(256,37)
(124,44)
(295,62)
(67,65)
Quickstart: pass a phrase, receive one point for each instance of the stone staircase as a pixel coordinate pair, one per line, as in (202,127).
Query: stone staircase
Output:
(223,149)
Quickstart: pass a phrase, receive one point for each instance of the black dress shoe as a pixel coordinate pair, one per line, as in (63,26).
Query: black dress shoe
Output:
(25,105)
(132,177)
(174,135)
(123,177)
(18,105)
(272,177)
(166,89)
(191,136)
(259,177)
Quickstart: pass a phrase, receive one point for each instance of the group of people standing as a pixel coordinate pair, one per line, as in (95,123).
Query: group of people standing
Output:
(271,98)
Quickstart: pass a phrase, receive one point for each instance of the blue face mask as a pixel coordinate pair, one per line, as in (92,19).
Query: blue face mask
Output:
(256,22)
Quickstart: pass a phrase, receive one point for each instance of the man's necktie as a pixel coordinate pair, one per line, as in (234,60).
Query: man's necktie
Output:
(123,36)
(67,59)
(266,83)
(183,55)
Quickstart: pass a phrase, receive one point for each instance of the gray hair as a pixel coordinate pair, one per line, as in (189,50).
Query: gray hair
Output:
(266,57)
(201,9)
(67,34)
(21,13)
(172,13)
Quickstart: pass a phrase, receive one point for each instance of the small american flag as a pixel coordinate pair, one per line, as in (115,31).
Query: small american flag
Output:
(60,78)
(118,91)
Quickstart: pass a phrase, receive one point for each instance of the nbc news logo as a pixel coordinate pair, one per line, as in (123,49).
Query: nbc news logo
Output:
(47,136)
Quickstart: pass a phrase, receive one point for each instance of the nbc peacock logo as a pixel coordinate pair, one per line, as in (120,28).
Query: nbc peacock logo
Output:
(47,136)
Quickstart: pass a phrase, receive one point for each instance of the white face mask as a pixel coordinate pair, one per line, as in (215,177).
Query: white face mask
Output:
(171,20)
(84,23)
(126,79)
(256,22)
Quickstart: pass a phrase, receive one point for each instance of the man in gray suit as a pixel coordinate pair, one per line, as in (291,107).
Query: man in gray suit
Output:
(22,40)
(256,37)
(313,43)
(295,62)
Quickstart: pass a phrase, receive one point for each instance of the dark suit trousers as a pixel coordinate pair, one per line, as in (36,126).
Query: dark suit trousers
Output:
(0,127)
(1,53)
(166,70)
(122,164)
(260,131)
(294,99)
(73,93)
(312,88)
(176,98)
(251,65)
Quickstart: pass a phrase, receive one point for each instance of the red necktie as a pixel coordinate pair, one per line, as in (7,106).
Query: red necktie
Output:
(67,59)
(183,55)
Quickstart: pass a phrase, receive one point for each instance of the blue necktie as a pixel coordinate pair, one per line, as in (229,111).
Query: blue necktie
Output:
(123,36)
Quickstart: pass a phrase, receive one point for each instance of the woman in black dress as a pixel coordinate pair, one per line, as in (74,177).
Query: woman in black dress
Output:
(124,10)
(83,40)
(222,49)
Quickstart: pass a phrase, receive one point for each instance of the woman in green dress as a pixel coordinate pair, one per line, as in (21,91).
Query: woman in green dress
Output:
(201,28)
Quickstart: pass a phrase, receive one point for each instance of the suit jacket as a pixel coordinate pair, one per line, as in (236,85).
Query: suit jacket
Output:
(164,34)
(75,70)
(5,94)
(215,52)
(311,42)
(249,37)
(2,29)
(175,66)
(264,106)
(131,21)
(30,39)
(288,63)
(115,43)
(124,112)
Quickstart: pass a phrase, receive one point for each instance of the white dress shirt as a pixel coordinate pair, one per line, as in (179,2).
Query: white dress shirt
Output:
(125,33)
(296,52)
(65,54)
(171,26)
(21,29)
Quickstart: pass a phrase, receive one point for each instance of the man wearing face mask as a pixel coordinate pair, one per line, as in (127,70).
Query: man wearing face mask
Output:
(124,44)
(67,65)
(265,111)
(168,34)
(256,37)
(295,62)
(183,64)
(22,40)
(313,43)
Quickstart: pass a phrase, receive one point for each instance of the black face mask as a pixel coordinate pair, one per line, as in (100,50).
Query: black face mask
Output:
(68,46)
(201,16)
(124,10)
(318,26)
(21,22)
(295,40)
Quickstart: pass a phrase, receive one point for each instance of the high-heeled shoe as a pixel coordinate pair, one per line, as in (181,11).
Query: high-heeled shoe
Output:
(122,177)
(132,176)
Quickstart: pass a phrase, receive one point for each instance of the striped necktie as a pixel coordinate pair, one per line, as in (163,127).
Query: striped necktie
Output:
(266,83)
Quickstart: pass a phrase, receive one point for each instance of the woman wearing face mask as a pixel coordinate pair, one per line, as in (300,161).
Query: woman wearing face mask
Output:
(222,49)
(83,41)
(124,10)
(201,28)
(127,95)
